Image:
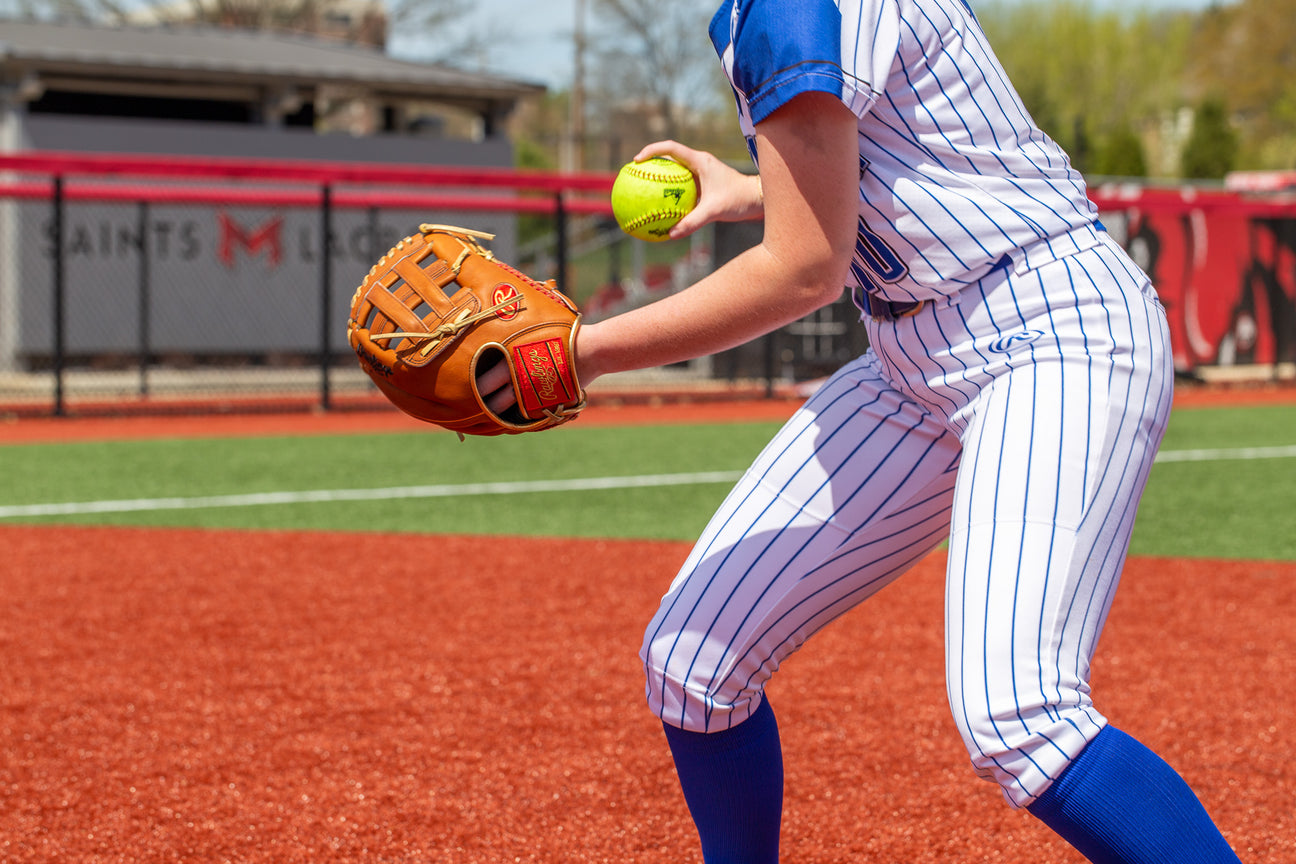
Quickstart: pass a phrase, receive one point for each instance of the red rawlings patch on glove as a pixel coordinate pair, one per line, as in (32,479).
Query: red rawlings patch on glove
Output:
(544,379)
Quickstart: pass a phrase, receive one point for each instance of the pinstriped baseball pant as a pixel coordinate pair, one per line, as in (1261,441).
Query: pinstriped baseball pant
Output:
(1017,419)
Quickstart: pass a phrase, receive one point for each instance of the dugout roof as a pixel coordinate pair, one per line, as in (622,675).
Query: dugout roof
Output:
(209,63)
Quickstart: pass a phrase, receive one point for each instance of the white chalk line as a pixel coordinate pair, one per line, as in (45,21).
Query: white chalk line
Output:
(1228,453)
(330,496)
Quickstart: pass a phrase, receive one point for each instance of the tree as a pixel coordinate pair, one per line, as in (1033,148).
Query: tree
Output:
(1086,74)
(1212,144)
(1121,154)
(1246,50)
(655,55)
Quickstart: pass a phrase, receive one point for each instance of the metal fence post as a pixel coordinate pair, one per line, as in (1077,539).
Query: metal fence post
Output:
(59,288)
(326,293)
(145,300)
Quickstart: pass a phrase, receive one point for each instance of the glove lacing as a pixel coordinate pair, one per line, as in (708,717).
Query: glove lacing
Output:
(465,319)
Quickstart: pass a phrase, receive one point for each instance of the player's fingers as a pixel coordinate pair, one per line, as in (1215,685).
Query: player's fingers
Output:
(501,400)
(724,195)
(686,156)
(493,377)
(689,223)
(496,387)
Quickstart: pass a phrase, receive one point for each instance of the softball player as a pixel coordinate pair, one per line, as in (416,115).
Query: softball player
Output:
(1015,392)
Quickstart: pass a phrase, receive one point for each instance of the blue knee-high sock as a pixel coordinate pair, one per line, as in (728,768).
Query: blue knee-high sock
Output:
(1119,803)
(733,784)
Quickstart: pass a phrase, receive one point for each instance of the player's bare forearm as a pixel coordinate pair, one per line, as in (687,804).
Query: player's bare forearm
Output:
(751,295)
(810,179)
(748,297)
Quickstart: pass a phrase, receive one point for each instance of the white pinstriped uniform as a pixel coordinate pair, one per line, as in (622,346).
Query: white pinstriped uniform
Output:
(1016,413)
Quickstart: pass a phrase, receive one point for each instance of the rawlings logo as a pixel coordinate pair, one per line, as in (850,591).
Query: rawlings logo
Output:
(502,293)
(544,364)
(540,367)
(1007,343)
(381,368)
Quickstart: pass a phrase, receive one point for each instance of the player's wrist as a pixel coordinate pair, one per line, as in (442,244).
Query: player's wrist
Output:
(586,344)
(756,193)
(742,199)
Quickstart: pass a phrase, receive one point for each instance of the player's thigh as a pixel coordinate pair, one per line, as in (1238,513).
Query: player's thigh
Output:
(1060,445)
(1055,460)
(849,494)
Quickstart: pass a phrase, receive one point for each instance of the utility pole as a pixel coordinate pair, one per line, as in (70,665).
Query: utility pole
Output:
(575,160)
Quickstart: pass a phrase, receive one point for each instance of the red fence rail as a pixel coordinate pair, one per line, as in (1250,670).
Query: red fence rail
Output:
(303,171)
(535,191)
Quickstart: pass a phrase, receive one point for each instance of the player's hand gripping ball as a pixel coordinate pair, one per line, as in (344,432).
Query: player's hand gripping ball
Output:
(649,197)
(439,309)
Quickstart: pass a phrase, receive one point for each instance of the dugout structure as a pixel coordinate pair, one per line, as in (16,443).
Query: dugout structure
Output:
(181,95)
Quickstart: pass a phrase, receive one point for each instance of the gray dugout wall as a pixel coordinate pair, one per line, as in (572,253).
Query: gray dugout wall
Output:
(217,279)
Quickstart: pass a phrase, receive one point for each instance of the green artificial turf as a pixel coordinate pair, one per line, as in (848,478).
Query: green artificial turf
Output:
(1222,507)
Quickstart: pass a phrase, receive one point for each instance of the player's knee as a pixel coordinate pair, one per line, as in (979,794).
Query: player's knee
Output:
(1023,748)
(689,697)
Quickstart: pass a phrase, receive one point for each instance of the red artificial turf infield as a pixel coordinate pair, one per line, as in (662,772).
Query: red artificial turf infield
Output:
(186,695)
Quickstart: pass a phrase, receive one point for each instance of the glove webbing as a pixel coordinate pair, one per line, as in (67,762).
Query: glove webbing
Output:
(451,328)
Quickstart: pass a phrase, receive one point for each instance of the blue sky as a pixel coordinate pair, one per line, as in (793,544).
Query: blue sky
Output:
(535,36)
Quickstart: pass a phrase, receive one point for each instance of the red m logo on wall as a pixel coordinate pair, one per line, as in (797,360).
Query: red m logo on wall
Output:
(234,236)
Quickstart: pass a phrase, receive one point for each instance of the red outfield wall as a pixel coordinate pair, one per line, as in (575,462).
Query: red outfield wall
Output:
(1224,265)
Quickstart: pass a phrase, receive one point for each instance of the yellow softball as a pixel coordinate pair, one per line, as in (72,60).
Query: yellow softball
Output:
(649,197)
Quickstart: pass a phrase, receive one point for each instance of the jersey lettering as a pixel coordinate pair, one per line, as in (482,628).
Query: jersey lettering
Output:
(878,257)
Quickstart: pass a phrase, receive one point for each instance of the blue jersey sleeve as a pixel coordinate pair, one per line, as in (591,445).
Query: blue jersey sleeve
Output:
(783,49)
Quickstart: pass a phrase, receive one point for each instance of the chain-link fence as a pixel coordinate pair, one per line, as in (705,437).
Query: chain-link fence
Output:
(137,284)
